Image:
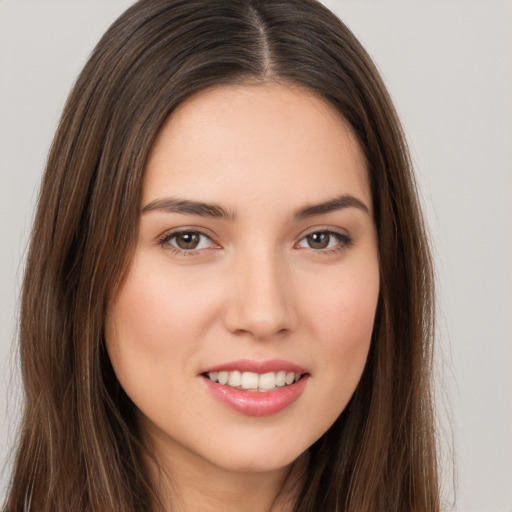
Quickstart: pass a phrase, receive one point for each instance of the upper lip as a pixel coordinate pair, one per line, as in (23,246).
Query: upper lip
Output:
(251,365)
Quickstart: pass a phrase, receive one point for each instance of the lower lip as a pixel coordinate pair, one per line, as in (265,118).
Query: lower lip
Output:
(256,403)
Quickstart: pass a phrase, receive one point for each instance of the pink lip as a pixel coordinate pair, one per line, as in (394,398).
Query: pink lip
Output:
(250,365)
(256,403)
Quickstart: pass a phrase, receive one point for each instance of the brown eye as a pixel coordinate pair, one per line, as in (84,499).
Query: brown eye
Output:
(319,240)
(187,240)
(325,241)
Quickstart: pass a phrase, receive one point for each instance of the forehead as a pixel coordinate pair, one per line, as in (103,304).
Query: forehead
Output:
(257,142)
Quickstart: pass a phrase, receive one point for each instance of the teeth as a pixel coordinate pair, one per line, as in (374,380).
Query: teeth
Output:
(249,380)
(267,381)
(253,381)
(235,379)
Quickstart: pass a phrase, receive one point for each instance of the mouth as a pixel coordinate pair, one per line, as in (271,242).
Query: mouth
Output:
(255,388)
(252,381)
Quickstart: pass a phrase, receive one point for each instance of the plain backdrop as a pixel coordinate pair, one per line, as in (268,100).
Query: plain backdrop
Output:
(448,65)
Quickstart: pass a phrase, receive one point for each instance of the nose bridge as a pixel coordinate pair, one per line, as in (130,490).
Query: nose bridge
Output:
(262,304)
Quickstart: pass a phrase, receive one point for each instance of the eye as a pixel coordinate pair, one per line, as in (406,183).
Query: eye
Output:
(186,241)
(325,241)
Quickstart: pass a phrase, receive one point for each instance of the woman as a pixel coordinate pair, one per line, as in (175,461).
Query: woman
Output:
(228,295)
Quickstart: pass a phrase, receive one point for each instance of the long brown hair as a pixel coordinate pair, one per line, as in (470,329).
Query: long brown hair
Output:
(79,448)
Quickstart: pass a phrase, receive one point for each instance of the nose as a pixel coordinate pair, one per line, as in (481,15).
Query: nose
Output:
(261,302)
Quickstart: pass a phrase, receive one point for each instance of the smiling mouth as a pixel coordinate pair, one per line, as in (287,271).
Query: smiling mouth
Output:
(251,381)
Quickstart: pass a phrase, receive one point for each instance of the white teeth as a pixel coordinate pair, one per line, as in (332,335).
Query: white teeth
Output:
(249,380)
(267,381)
(235,379)
(253,381)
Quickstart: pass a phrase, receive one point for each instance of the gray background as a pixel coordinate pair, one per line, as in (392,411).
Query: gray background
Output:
(448,65)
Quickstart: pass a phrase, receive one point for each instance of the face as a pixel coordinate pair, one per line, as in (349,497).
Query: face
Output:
(244,322)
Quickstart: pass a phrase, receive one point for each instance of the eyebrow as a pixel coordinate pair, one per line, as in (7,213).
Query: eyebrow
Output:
(188,207)
(338,203)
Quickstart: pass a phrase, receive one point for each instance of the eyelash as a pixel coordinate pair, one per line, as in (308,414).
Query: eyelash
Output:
(165,239)
(344,241)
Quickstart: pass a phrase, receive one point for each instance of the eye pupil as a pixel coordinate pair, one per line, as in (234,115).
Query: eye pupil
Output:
(318,240)
(187,240)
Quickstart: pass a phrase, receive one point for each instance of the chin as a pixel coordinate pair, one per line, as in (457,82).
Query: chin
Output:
(257,453)
(256,462)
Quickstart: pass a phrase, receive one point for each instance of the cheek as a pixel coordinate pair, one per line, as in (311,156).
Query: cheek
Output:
(155,307)
(342,320)
(349,305)
(155,323)
(339,318)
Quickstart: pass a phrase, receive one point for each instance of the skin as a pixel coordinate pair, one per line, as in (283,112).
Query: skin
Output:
(254,288)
